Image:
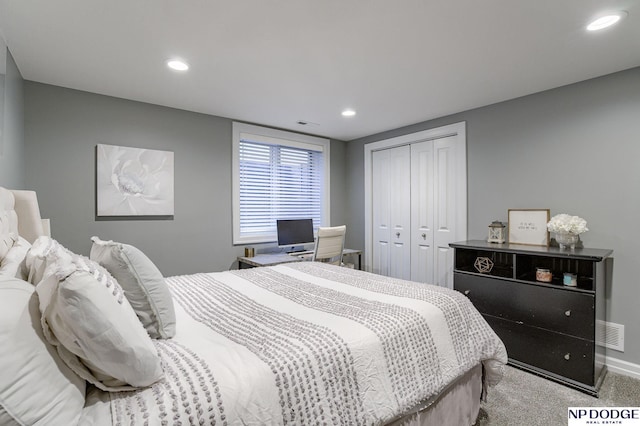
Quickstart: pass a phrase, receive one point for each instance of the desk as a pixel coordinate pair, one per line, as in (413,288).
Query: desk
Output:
(270,259)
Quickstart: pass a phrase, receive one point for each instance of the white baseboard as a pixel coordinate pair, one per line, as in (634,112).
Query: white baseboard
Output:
(623,367)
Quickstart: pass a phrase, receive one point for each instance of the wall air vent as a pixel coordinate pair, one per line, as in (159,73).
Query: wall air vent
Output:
(610,335)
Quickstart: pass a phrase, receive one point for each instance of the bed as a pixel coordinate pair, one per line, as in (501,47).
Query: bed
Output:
(302,343)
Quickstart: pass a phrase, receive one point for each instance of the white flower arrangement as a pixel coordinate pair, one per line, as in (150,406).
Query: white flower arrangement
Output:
(564,223)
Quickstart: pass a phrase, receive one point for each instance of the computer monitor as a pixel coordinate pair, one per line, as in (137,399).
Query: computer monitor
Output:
(294,232)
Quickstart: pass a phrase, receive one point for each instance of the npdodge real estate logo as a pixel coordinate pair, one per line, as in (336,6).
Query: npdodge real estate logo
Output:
(626,416)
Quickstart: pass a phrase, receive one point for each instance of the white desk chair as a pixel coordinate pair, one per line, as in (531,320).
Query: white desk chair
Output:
(330,244)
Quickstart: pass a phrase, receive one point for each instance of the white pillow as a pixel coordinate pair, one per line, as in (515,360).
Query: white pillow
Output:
(35,385)
(87,317)
(143,285)
(41,257)
(6,242)
(13,262)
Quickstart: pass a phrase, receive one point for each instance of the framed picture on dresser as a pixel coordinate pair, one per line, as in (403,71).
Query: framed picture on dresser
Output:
(529,226)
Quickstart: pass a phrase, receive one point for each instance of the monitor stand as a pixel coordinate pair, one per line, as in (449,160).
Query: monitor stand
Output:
(294,250)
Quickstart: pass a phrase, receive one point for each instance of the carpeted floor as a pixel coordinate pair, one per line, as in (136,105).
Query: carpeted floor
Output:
(523,398)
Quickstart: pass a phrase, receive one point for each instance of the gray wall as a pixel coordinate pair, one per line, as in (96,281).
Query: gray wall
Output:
(575,149)
(12,157)
(64,126)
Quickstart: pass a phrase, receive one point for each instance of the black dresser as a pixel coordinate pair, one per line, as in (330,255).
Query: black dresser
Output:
(548,328)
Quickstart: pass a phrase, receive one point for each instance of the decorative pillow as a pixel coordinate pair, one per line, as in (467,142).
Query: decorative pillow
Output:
(42,257)
(87,317)
(143,285)
(6,243)
(36,387)
(13,263)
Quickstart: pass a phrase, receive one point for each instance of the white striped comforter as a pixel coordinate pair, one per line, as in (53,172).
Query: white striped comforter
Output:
(308,343)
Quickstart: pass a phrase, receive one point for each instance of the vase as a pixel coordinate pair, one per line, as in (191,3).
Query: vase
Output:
(567,240)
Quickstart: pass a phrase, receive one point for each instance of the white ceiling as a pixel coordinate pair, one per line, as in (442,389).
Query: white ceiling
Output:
(275,62)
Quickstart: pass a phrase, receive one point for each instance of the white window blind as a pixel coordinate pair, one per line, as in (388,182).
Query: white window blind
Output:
(277,178)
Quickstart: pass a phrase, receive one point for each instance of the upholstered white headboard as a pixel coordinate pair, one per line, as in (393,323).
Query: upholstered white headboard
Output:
(20,214)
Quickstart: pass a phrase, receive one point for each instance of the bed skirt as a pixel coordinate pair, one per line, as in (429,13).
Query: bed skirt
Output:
(458,404)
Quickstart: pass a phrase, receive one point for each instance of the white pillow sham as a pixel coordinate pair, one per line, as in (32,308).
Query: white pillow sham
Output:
(42,257)
(13,263)
(143,284)
(87,317)
(7,241)
(36,386)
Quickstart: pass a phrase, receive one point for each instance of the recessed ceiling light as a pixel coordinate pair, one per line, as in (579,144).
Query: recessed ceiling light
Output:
(348,113)
(606,21)
(177,65)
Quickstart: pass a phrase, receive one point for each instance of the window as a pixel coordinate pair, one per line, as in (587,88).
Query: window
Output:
(277,175)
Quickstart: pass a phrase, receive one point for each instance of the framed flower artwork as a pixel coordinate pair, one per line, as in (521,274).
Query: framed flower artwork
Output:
(133,181)
(529,227)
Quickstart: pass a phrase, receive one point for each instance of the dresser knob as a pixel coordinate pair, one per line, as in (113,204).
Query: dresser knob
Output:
(567,357)
(568,313)
(397,235)
(466,292)
(424,236)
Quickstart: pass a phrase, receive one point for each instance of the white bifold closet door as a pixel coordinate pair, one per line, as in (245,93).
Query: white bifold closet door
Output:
(391,236)
(416,193)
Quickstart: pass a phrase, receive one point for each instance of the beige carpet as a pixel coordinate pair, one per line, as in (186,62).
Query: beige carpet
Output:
(523,398)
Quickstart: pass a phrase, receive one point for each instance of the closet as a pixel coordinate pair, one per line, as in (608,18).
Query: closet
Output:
(416,204)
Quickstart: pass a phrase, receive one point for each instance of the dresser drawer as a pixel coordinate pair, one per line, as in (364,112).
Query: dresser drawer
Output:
(552,308)
(557,353)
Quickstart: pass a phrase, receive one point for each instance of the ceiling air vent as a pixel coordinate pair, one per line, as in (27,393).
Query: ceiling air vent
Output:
(305,123)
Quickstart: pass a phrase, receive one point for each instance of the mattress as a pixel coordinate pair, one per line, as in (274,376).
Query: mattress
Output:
(306,343)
